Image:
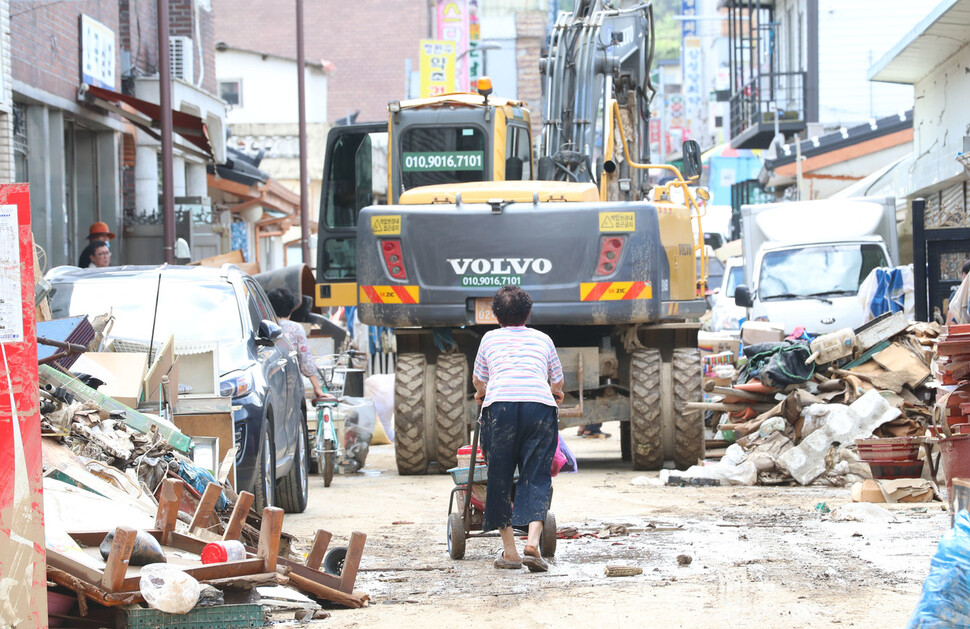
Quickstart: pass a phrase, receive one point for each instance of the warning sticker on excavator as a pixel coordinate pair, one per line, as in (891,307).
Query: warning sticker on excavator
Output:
(618,221)
(615,291)
(389,295)
(386,225)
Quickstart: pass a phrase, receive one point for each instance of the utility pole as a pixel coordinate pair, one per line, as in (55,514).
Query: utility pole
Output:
(165,119)
(301,103)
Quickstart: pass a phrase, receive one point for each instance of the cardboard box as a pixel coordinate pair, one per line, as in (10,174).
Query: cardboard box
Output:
(711,343)
(121,372)
(899,490)
(218,425)
(762,332)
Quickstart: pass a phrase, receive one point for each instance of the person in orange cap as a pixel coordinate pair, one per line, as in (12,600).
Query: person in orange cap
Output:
(99,231)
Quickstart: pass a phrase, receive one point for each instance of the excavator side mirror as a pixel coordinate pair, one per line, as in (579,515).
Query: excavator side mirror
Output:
(692,159)
(743,297)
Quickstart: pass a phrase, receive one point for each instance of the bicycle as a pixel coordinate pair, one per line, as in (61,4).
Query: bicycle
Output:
(326,446)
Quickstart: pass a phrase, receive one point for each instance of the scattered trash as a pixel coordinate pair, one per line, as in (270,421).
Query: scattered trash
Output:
(861,512)
(945,601)
(732,469)
(684,560)
(622,571)
(822,508)
(168,589)
(613,530)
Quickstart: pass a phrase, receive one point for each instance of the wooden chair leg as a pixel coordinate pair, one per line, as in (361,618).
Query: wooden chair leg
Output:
(319,549)
(117,563)
(269,538)
(168,507)
(348,576)
(243,504)
(203,513)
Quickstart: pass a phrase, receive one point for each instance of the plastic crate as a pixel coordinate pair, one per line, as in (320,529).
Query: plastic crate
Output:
(215,617)
(891,449)
(460,474)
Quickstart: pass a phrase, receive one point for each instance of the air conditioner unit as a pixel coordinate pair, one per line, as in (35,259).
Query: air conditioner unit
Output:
(180,58)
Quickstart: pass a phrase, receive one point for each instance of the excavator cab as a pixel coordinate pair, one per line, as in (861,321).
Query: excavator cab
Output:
(453,138)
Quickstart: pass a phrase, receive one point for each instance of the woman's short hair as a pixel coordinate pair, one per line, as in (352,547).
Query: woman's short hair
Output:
(84,260)
(511,305)
(283,301)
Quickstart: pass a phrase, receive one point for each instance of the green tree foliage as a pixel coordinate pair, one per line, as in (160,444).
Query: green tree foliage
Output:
(667,30)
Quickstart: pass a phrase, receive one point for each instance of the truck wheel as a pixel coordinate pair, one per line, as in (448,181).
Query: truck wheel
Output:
(646,442)
(688,382)
(409,392)
(451,386)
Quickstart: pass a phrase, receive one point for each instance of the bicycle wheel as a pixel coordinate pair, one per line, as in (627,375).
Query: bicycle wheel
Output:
(327,464)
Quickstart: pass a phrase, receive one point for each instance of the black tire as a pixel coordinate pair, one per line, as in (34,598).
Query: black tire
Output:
(451,425)
(456,536)
(646,431)
(326,469)
(333,561)
(293,490)
(264,486)
(689,425)
(409,393)
(549,537)
(625,449)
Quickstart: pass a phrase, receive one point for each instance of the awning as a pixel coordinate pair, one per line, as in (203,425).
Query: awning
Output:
(190,127)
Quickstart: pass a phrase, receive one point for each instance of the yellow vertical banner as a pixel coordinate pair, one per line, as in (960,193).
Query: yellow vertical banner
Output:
(437,67)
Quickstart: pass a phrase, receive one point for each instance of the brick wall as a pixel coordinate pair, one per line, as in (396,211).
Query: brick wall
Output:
(139,35)
(6,116)
(530,29)
(44,42)
(182,22)
(367,40)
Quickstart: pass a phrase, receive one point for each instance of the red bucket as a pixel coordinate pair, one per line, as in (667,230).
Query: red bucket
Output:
(956,459)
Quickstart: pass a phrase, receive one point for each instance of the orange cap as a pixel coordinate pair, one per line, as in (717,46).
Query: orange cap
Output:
(100,229)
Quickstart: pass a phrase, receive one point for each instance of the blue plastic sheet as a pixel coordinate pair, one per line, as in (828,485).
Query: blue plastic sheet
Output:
(945,601)
(200,478)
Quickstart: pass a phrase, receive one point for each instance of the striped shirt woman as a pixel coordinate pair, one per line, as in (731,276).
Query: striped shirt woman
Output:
(518,378)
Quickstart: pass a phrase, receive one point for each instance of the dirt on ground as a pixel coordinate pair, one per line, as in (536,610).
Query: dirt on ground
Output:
(711,556)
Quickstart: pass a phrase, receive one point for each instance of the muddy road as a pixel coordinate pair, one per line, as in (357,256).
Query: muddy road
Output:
(758,556)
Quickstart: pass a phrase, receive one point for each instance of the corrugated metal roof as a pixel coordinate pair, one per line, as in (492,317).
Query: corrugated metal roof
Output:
(931,42)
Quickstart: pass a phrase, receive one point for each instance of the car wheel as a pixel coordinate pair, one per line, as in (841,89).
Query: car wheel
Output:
(294,488)
(264,489)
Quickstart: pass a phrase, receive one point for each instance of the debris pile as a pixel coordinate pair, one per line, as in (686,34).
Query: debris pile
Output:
(793,409)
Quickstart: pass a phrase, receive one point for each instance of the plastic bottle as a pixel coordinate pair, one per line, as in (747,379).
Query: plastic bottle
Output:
(228,550)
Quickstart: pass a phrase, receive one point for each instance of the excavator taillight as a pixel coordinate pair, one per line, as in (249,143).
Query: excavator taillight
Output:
(391,249)
(610,249)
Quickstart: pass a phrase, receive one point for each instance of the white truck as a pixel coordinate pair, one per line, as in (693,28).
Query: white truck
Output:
(805,260)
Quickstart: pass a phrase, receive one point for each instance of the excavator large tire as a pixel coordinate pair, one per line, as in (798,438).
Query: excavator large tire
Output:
(409,419)
(646,438)
(451,424)
(689,424)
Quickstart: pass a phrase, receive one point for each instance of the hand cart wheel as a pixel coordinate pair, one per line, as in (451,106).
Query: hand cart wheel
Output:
(456,536)
(547,541)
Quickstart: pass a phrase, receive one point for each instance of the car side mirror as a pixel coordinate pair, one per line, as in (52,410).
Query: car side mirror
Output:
(691,153)
(742,296)
(268,332)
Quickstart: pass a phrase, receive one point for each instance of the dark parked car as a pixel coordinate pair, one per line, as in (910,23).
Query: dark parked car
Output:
(258,366)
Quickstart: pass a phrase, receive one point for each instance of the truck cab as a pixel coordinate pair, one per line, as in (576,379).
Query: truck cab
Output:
(450,139)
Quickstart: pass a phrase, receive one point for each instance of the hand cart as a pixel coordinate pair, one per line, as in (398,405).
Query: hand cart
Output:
(466,510)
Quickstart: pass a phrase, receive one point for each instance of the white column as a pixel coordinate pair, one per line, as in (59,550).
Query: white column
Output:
(178,175)
(196,183)
(147,185)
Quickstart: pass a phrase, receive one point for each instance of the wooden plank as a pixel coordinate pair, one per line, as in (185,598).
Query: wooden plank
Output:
(898,358)
(168,507)
(207,505)
(269,537)
(233,257)
(319,549)
(92,591)
(117,562)
(225,570)
(238,517)
(160,367)
(292,567)
(76,569)
(355,550)
(352,600)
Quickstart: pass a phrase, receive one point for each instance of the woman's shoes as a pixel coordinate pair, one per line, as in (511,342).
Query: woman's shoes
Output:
(533,561)
(506,564)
